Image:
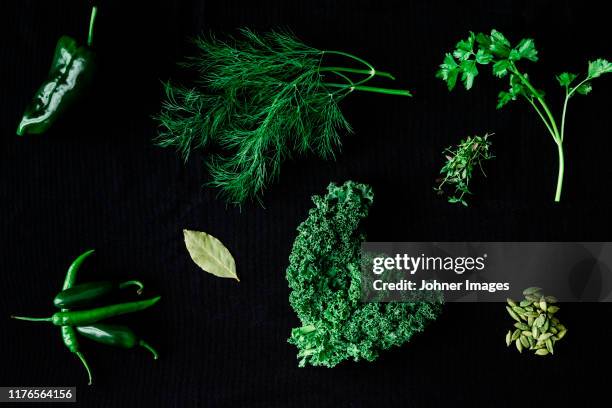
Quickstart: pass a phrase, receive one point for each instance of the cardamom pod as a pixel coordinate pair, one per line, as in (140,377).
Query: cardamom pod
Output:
(543,304)
(519,345)
(540,321)
(521,326)
(531,290)
(552,309)
(544,336)
(513,314)
(549,346)
(546,326)
(524,341)
(536,327)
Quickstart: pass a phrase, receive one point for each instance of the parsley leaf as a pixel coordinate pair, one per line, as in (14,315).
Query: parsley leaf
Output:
(470,71)
(599,67)
(526,49)
(483,57)
(465,48)
(500,46)
(504,98)
(584,89)
(566,78)
(448,71)
(500,68)
(483,40)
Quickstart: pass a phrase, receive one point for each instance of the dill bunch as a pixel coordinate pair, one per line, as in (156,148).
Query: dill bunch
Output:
(461,160)
(259,100)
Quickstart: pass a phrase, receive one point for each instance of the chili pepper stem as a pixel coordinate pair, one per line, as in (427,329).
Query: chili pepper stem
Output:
(32,319)
(82,358)
(133,282)
(144,344)
(92,21)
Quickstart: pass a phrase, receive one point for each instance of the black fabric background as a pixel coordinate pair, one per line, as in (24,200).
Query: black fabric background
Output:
(96,181)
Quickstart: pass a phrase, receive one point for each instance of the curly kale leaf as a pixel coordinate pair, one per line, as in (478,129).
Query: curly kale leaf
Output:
(324,279)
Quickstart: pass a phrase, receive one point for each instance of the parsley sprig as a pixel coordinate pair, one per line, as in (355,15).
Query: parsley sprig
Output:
(461,160)
(496,50)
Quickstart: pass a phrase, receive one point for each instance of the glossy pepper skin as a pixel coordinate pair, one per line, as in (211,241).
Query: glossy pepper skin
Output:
(87,294)
(114,335)
(70,73)
(69,335)
(90,316)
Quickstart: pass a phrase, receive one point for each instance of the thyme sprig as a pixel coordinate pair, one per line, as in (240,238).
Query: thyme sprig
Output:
(461,160)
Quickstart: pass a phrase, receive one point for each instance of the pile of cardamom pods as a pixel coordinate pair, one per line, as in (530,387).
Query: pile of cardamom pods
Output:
(536,327)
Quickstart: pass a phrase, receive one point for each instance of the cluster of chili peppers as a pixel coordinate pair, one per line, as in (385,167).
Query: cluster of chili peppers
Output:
(69,75)
(86,322)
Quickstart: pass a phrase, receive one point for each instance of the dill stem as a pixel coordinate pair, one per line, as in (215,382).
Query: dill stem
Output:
(372,70)
(375,89)
(92,21)
(357,71)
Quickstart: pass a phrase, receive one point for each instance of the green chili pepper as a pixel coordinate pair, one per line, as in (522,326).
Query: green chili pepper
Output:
(71,341)
(69,335)
(68,76)
(88,293)
(74,268)
(115,335)
(90,316)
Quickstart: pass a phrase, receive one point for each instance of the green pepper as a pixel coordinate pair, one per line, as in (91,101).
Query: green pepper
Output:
(115,335)
(70,73)
(74,268)
(69,336)
(90,316)
(89,293)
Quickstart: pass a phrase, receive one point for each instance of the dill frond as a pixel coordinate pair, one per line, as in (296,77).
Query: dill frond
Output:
(261,99)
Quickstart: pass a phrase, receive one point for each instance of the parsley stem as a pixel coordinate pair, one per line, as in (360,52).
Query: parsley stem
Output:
(551,124)
(535,93)
(560,174)
(568,95)
(92,20)
(535,107)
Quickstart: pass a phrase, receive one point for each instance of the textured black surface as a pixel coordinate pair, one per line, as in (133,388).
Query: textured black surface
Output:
(95,180)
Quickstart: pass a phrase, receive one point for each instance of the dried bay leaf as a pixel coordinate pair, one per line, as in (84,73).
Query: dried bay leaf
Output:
(210,254)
